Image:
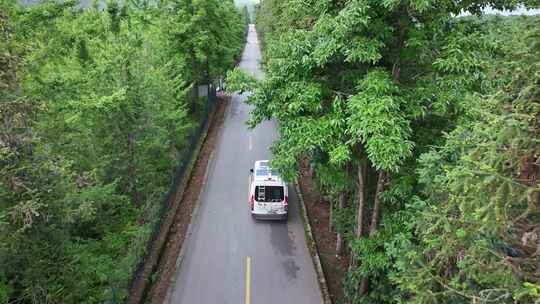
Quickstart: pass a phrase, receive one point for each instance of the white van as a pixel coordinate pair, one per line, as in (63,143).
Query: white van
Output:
(268,193)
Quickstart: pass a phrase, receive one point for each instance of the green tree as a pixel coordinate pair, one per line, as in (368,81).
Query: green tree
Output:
(94,105)
(479,212)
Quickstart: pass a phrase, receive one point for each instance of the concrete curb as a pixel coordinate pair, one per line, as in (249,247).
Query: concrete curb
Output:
(312,246)
(194,215)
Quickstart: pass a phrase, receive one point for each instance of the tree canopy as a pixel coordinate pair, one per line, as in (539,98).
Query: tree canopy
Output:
(96,111)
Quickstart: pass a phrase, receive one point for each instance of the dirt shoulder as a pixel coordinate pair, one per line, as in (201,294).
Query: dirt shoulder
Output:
(318,211)
(164,276)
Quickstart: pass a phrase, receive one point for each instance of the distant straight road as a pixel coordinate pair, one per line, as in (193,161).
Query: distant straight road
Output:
(230,258)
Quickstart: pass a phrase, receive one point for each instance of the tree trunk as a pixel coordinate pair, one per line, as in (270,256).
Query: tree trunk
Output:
(361,197)
(375,218)
(132,169)
(330,224)
(130,128)
(364,284)
(340,242)
(377,204)
(402,21)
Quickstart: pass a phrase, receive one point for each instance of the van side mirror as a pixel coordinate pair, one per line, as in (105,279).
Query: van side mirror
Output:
(251,170)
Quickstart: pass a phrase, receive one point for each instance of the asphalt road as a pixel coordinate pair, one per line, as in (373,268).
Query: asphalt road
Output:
(231,258)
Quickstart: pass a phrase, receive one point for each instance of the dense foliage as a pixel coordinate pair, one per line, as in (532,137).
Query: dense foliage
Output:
(96,109)
(423,131)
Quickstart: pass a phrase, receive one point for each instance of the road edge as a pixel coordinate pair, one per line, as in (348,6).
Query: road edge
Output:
(194,216)
(312,246)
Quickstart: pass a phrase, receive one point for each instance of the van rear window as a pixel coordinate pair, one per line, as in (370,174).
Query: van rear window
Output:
(269,194)
(261,172)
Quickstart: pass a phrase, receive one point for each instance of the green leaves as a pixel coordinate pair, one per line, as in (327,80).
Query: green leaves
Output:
(446,105)
(377,121)
(210,34)
(239,81)
(471,229)
(96,110)
(364,50)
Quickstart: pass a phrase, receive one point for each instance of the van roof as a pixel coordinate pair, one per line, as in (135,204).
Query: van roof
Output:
(263,174)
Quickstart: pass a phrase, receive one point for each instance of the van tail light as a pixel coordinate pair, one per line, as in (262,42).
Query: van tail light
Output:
(251,202)
(286,203)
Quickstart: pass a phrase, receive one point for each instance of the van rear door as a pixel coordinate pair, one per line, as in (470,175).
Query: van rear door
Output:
(271,198)
(275,198)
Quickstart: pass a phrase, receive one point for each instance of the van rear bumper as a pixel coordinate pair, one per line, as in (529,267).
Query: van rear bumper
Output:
(270,216)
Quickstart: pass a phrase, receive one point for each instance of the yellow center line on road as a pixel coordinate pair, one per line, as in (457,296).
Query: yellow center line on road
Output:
(248,281)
